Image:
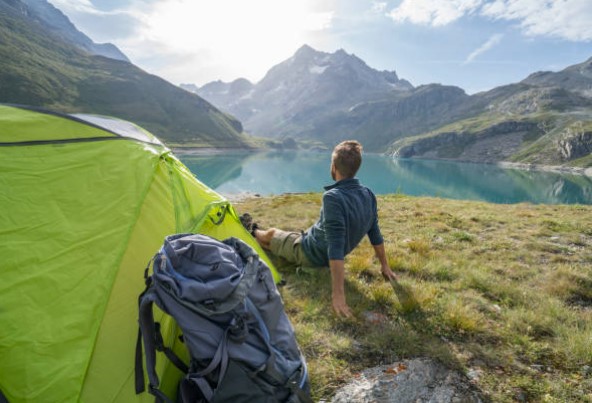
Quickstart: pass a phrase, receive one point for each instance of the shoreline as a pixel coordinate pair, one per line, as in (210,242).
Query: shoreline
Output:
(546,168)
(561,169)
(210,150)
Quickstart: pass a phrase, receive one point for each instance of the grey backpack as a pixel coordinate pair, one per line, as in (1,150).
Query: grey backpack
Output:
(241,343)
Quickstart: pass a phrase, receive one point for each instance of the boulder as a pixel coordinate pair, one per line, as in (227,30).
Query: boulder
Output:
(575,145)
(417,380)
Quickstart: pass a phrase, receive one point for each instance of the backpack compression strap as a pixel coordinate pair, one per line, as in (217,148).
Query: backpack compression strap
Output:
(220,360)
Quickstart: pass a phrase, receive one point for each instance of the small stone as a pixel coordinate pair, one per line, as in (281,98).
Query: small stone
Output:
(586,370)
(375,318)
(520,395)
(357,346)
(538,367)
(474,374)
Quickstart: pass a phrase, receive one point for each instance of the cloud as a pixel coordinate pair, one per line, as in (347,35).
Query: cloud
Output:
(199,41)
(433,12)
(564,19)
(379,7)
(490,43)
(100,25)
(226,39)
(74,6)
(83,7)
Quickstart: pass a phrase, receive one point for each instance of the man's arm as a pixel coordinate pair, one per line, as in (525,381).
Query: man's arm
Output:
(335,233)
(385,269)
(338,288)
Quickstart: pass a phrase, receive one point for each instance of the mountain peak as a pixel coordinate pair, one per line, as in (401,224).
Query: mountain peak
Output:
(59,24)
(304,49)
(305,52)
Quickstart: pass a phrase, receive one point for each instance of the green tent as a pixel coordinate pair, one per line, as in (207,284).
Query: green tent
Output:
(85,202)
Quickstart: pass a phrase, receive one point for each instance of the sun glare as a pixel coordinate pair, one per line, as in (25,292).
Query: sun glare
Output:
(261,32)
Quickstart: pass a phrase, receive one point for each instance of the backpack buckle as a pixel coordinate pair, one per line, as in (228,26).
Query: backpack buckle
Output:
(238,329)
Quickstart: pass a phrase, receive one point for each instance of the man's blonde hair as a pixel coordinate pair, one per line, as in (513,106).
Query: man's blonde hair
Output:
(347,158)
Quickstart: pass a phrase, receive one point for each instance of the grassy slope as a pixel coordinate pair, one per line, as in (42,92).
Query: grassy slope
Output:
(39,69)
(501,289)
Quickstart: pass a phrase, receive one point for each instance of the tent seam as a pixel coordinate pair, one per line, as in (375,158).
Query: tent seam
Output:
(75,140)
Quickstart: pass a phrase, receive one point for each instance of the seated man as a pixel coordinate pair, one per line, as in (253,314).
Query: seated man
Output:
(348,213)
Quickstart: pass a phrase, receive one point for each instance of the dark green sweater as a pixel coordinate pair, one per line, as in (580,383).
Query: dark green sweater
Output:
(348,213)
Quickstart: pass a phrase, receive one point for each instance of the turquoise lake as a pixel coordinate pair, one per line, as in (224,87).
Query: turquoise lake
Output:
(286,172)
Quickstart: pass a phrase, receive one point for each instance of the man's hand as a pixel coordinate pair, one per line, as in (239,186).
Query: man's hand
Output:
(385,269)
(388,274)
(340,307)
(338,286)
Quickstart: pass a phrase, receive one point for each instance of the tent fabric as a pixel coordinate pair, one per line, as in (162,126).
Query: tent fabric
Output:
(21,125)
(81,217)
(120,127)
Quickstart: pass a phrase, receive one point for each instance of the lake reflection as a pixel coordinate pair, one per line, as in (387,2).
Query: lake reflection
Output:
(283,172)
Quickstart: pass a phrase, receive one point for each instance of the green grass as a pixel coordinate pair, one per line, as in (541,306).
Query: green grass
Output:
(506,289)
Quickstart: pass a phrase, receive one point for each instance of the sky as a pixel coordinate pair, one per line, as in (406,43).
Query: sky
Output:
(474,44)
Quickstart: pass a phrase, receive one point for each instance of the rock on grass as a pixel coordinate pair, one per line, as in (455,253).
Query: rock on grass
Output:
(417,380)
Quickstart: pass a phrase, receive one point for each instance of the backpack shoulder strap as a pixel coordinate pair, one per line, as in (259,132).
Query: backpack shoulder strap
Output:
(147,334)
(138,363)
(138,366)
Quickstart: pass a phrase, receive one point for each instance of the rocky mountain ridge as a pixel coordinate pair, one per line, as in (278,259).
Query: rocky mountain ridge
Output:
(549,116)
(302,89)
(329,97)
(56,22)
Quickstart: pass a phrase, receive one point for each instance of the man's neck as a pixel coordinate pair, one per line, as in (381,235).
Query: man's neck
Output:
(339,177)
